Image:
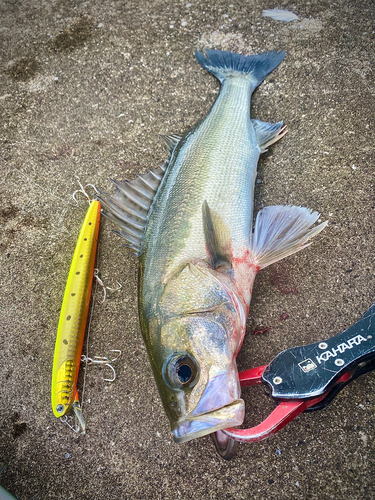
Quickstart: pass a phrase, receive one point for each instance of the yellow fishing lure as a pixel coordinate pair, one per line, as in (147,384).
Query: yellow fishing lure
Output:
(73,317)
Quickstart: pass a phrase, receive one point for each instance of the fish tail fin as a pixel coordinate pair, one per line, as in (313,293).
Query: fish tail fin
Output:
(228,64)
(281,231)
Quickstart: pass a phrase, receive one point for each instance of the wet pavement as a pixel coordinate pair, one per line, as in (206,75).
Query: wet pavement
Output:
(86,87)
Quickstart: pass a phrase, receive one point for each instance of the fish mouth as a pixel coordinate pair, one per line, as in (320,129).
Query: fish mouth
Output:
(201,425)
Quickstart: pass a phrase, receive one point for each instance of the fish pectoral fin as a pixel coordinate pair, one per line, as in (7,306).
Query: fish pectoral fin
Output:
(281,231)
(268,133)
(217,238)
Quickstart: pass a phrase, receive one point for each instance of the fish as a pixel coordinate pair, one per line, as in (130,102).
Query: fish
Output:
(5,495)
(73,318)
(190,222)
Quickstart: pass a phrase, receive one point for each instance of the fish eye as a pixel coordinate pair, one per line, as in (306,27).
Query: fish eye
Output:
(182,371)
(60,408)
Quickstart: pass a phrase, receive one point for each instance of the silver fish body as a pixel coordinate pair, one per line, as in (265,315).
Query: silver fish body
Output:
(198,254)
(216,162)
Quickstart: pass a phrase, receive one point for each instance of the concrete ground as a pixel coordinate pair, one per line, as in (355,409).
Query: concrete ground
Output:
(85,89)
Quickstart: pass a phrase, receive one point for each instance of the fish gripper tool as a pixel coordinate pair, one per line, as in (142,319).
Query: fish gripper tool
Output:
(308,377)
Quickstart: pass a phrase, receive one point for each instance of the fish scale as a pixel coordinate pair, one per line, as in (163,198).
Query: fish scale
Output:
(202,158)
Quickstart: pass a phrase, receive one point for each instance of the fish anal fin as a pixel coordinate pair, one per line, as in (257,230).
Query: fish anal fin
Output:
(217,236)
(281,231)
(268,133)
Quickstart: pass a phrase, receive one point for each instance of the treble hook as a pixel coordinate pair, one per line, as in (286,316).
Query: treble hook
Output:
(64,420)
(118,355)
(103,360)
(83,191)
(105,288)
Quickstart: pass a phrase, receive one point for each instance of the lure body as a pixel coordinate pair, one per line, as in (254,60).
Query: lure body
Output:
(73,317)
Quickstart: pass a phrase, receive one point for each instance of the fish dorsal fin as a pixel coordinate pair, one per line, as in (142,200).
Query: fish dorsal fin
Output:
(217,238)
(171,141)
(268,133)
(130,205)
